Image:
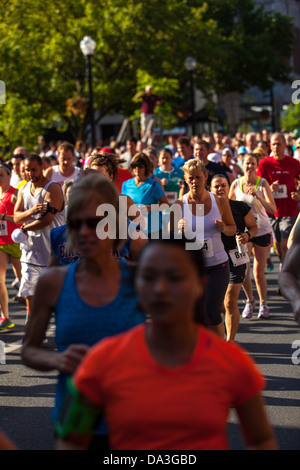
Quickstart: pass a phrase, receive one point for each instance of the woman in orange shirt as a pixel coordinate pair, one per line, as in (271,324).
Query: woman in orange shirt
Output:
(170,383)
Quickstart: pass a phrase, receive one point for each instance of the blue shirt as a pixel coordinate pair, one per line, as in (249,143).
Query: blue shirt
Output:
(80,323)
(146,194)
(179,161)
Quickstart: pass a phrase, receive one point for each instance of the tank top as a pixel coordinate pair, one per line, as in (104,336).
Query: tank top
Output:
(213,248)
(79,323)
(6,227)
(57,177)
(37,250)
(258,210)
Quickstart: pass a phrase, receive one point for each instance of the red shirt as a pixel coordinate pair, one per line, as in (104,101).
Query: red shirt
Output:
(286,171)
(6,228)
(150,406)
(123,175)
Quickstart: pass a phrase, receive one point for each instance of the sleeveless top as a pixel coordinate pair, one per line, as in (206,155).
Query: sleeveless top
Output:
(80,323)
(259,213)
(57,177)
(37,250)
(213,248)
(7,228)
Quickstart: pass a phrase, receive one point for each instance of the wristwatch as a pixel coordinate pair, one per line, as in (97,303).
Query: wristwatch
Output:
(23,229)
(248,233)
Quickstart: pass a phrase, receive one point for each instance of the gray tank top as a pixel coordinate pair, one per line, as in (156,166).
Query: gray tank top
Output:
(37,250)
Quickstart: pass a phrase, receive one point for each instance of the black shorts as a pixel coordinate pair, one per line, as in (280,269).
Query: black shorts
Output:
(265,241)
(237,273)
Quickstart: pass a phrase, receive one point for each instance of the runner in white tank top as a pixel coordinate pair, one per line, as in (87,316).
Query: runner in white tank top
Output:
(213,248)
(257,193)
(217,218)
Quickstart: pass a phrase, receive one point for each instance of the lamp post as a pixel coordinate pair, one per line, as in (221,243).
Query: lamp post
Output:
(87,46)
(190,65)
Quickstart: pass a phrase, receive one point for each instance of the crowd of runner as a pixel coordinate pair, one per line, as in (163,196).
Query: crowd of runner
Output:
(200,212)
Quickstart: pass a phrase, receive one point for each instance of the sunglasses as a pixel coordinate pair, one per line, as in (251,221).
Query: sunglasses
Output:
(90,222)
(137,165)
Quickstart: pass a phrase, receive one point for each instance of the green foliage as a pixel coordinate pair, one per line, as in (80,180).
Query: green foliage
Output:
(291,118)
(235,46)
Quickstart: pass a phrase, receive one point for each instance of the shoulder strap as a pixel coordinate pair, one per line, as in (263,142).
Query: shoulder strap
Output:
(240,183)
(258,179)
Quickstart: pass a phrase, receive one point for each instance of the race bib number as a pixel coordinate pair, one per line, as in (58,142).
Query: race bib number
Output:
(3,228)
(238,258)
(171,196)
(281,193)
(208,250)
(257,219)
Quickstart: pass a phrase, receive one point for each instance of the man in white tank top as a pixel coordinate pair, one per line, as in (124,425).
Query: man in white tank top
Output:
(65,170)
(40,207)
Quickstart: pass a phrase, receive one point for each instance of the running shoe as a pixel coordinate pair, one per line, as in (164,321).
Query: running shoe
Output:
(249,308)
(270,265)
(6,324)
(263,311)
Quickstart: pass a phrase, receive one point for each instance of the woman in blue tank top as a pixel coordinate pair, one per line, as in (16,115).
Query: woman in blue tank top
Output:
(206,216)
(92,298)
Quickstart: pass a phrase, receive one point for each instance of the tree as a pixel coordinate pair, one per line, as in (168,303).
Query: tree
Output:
(235,44)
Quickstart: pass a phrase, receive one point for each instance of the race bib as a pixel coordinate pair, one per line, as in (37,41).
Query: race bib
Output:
(171,196)
(208,250)
(238,258)
(3,228)
(281,193)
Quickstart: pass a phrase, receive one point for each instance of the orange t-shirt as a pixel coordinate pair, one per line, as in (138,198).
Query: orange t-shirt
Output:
(152,407)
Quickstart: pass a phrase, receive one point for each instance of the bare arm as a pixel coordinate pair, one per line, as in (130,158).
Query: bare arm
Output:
(256,428)
(227,224)
(289,275)
(33,354)
(53,196)
(251,228)
(267,200)
(231,194)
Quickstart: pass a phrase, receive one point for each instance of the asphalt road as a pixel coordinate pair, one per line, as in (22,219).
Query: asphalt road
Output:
(27,396)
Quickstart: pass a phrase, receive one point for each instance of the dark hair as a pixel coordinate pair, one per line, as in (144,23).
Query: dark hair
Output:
(6,168)
(34,157)
(142,157)
(196,258)
(219,176)
(107,160)
(183,140)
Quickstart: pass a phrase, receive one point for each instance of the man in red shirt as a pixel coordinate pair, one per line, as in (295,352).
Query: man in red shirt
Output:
(282,173)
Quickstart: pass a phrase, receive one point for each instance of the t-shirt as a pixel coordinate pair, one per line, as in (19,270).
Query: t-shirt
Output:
(171,188)
(149,406)
(179,161)
(123,175)
(147,193)
(149,103)
(285,171)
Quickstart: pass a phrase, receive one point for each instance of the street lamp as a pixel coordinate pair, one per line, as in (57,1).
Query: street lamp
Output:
(87,46)
(190,65)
